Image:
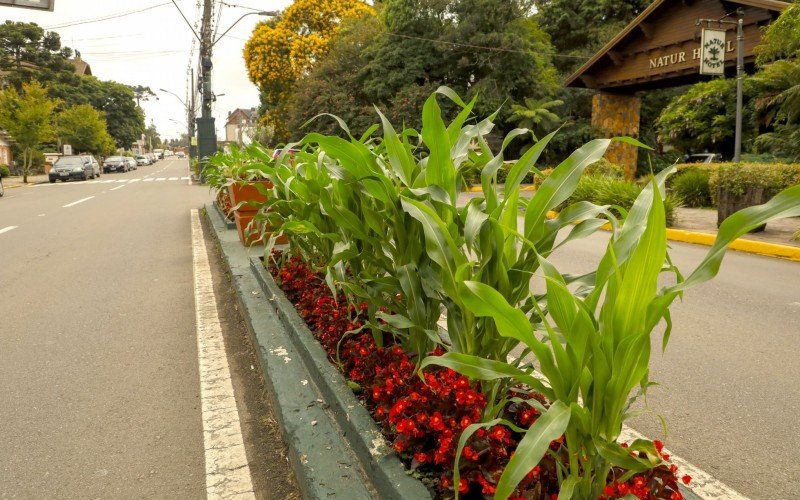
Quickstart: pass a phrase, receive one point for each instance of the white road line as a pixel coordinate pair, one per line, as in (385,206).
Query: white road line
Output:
(703,484)
(227,469)
(121,181)
(133,180)
(76,202)
(118,187)
(148,180)
(7,229)
(173,179)
(185,178)
(161,179)
(107,182)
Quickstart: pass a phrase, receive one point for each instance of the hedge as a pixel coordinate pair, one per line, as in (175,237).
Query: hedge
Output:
(738,178)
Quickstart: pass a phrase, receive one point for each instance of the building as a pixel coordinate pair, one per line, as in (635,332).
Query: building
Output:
(5,148)
(81,66)
(241,122)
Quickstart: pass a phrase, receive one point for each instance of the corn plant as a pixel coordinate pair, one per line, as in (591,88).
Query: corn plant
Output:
(594,349)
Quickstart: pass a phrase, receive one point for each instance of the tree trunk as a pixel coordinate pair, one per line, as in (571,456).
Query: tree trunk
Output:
(26,156)
(728,203)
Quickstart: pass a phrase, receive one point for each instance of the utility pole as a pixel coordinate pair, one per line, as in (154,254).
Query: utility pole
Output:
(737,151)
(206,129)
(192,117)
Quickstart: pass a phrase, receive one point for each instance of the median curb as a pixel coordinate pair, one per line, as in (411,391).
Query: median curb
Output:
(321,421)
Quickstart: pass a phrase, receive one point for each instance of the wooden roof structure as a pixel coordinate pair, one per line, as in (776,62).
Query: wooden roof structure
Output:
(660,48)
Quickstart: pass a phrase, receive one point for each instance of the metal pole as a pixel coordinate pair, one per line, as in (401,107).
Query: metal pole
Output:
(737,149)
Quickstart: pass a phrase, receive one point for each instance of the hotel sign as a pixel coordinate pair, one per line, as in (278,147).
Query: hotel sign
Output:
(712,59)
(29,4)
(695,54)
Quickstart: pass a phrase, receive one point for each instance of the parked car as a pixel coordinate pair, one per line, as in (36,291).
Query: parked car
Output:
(95,164)
(703,158)
(71,167)
(152,157)
(115,164)
(131,162)
(159,153)
(142,160)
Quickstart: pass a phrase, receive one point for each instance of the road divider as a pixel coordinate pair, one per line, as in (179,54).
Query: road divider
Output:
(76,202)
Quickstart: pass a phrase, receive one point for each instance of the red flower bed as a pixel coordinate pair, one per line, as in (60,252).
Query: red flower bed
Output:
(424,419)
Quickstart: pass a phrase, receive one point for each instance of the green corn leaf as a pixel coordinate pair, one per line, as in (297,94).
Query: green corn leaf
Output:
(462,442)
(526,163)
(439,169)
(567,487)
(549,426)
(560,185)
(396,320)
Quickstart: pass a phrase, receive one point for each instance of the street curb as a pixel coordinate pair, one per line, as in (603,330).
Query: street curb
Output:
(741,244)
(763,248)
(318,423)
(228,223)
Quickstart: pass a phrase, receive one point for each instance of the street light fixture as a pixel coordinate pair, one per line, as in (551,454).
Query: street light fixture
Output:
(191,111)
(266,13)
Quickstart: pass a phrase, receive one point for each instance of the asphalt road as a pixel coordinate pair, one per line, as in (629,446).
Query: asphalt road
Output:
(730,378)
(99,383)
(98,362)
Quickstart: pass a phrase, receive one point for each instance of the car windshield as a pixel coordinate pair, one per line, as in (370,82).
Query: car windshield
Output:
(114,158)
(71,161)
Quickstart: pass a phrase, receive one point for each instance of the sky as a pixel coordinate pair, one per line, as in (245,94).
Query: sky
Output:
(152,48)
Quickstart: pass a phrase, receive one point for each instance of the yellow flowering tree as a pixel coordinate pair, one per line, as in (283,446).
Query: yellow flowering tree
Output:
(281,51)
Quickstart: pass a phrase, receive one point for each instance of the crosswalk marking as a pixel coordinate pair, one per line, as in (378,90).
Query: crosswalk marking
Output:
(173,179)
(161,179)
(149,180)
(119,181)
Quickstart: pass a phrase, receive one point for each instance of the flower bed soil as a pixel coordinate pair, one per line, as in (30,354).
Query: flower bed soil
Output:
(423,417)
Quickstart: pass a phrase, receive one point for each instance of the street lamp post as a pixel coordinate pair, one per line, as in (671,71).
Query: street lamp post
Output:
(206,129)
(190,111)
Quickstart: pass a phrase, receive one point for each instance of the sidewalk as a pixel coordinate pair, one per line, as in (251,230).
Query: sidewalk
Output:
(704,220)
(15,181)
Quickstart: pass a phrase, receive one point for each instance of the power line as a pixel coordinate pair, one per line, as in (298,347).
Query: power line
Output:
(240,6)
(106,18)
(484,47)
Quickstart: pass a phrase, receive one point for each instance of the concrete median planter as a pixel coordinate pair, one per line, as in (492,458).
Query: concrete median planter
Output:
(335,448)
(384,468)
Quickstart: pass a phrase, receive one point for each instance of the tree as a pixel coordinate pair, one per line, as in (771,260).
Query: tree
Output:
(124,119)
(28,118)
(537,115)
(142,93)
(703,118)
(152,137)
(282,50)
(84,128)
(782,38)
(28,53)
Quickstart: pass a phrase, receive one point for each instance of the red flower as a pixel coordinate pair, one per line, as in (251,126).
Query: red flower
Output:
(659,446)
(420,457)
(463,486)
(676,495)
(686,479)
(470,454)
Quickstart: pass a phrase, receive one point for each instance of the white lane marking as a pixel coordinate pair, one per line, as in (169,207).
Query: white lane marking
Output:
(185,178)
(173,179)
(118,187)
(121,181)
(108,182)
(227,469)
(149,180)
(133,180)
(161,179)
(76,202)
(41,215)
(7,229)
(703,484)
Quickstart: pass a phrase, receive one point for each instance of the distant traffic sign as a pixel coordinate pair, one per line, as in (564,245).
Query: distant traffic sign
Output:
(30,4)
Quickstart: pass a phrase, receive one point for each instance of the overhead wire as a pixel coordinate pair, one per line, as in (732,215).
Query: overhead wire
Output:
(106,18)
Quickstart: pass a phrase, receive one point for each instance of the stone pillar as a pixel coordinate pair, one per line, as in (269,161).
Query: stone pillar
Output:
(618,115)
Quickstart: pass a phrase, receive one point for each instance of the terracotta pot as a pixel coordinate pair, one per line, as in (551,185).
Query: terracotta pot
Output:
(250,237)
(248,193)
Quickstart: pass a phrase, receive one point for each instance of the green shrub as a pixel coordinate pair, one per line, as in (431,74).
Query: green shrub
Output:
(4,171)
(738,178)
(691,186)
(605,168)
(603,190)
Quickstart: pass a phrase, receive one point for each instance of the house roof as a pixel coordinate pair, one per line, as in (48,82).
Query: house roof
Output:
(235,117)
(81,66)
(772,5)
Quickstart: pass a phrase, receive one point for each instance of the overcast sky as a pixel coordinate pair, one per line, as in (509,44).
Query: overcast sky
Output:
(152,47)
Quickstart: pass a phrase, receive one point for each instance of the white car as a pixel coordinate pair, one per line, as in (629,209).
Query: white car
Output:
(142,161)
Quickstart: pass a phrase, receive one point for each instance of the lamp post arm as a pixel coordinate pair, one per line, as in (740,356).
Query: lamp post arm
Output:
(271,13)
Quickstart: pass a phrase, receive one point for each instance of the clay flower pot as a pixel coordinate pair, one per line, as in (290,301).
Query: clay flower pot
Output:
(249,194)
